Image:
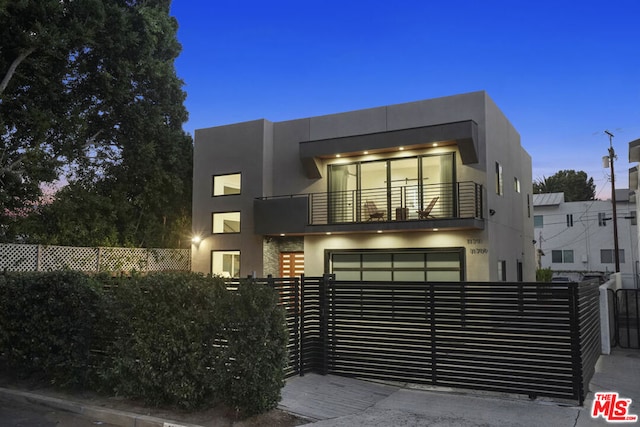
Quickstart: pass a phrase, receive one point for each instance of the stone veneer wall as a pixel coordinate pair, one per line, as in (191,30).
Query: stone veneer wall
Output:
(273,246)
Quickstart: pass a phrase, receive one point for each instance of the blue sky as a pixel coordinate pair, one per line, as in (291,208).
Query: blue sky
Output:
(561,71)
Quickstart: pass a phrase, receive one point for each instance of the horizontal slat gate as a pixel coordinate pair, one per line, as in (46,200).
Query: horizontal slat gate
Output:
(502,337)
(525,338)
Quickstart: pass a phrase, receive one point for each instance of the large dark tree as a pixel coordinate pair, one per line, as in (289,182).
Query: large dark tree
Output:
(89,90)
(576,185)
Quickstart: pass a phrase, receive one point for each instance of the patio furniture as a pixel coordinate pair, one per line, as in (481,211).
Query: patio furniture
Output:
(426,213)
(373,212)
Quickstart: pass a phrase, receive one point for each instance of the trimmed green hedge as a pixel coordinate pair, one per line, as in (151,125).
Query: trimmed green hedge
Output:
(46,325)
(176,339)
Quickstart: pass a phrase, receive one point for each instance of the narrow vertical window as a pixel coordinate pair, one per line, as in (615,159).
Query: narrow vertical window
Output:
(499,182)
(502,271)
(569,220)
(528,206)
(602,219)
(516,185)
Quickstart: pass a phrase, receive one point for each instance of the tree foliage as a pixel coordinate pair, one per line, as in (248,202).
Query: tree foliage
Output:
(575,185)
(89,89)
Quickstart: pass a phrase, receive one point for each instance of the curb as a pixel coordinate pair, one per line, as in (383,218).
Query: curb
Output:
(111,416)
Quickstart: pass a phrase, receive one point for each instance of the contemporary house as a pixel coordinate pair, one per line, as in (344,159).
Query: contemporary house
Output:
(434,190)
(574,238)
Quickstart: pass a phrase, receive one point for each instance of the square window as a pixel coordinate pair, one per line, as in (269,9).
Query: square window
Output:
(567,257)
(225,222)
(538,221)
(225,185)
(225,263)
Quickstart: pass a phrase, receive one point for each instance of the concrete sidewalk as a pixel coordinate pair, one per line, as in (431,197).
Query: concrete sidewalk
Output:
(336,401)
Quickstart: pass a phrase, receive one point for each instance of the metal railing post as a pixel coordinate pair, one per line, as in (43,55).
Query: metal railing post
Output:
(576,356)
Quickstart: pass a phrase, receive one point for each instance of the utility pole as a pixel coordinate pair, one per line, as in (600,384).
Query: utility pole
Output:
(612,155)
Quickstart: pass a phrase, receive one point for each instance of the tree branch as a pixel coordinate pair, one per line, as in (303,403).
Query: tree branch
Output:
(13,67)
(11,168)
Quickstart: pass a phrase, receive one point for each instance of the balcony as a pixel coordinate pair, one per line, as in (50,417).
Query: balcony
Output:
(400,208)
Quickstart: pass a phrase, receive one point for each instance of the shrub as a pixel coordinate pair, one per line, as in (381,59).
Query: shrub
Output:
(46,324)
(544,275)
(177,339)
(254,327)
(164,338)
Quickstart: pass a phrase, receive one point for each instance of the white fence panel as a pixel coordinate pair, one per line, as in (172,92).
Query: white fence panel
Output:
(68,258)
(16,257)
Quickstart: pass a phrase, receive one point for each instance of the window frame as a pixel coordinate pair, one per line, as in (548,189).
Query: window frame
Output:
(569,220)
(213,222)
(428,254)
(602,219)
(228,252)
(499,180)
(541,222)
(611,254)
(213,184)
(564,255)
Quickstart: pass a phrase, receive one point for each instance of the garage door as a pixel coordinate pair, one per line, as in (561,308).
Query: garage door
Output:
(419,265)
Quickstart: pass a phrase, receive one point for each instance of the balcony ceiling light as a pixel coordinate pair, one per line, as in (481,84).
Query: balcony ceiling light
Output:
(379,231)
(401,148)
(435,144)
(337,155)
(435,229)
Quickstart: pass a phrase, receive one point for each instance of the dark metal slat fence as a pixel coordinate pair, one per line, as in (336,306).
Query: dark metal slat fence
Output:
(524,338)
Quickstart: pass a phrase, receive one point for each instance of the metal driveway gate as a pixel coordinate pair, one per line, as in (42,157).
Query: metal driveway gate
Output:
(536,339)
(526,338)
(626,319)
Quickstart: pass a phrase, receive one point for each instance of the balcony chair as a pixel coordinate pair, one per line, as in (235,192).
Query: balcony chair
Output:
(373,212)
(426,213)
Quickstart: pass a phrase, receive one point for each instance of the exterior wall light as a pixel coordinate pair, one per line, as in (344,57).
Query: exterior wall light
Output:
(196,240)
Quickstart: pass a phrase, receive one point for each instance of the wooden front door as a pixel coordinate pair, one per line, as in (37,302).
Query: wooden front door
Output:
(291,264)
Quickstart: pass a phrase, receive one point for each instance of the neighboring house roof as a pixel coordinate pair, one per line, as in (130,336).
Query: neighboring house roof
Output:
(548,199)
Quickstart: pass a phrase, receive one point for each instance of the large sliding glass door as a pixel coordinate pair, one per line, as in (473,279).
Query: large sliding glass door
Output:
(343,183)
(392,189)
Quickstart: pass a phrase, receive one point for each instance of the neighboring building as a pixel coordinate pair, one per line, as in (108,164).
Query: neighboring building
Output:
(577,237)
(431,190)
(634,188)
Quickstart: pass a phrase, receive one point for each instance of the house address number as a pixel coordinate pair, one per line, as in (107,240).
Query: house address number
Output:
(477,251)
